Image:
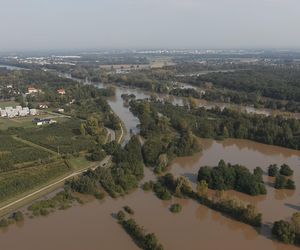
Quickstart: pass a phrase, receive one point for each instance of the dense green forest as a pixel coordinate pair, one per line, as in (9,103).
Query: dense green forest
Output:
(275,82)
(121,177)
(48,83)
(163,141)
(250,99)
(227,123)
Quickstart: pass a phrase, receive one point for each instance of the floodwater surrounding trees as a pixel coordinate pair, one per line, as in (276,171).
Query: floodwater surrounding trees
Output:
(92,226)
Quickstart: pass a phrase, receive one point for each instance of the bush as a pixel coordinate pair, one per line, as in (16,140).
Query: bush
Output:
(4,223)
(98,154)
(83,184)
(120,215)
(162,192)
(258,173)
(61,200)
(17,216)
(176,208)
(128,209)
(147,186)
(284,232)
(273,170)
(290,184)
(280,182)
(286,170)
(99,195)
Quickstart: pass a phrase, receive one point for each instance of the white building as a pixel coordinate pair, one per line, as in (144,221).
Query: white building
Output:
(18,108)
(40,122)
(3,113)
(23,113)
(33,112)
(7,109)
(11,112)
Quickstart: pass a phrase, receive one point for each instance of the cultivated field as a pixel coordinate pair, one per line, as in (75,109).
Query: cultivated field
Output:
(62,137)
(15,154)
(14,183)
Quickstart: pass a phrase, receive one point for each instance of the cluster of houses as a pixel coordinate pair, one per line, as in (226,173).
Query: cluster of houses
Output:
(32,90)
(18,111)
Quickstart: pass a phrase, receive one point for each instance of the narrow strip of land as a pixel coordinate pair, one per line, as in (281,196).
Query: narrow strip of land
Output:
(122,133)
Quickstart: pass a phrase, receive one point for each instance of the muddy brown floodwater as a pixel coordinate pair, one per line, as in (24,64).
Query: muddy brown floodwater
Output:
(92,226)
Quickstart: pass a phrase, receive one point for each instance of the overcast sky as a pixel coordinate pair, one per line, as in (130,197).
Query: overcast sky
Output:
(96,24)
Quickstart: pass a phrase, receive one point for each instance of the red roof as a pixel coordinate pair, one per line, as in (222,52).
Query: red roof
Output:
(61,91)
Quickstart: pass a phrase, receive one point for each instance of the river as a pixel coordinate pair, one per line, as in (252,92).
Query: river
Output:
(91,226)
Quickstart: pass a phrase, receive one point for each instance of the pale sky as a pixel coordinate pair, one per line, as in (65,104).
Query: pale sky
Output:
(190,24)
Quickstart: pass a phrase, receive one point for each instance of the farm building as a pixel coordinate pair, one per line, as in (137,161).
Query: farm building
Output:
(40,122)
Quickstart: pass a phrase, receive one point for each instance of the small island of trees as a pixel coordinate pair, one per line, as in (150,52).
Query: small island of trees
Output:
(237,177)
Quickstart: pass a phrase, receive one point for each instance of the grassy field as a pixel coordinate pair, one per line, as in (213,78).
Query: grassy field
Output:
(79,163)
(26,122)
(8,104)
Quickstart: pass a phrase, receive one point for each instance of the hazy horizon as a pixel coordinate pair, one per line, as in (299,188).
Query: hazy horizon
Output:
(141,24)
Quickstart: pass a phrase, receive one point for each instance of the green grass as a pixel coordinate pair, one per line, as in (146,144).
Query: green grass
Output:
(25,122)
(8,104)
(16,123)
(80,162)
